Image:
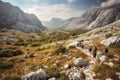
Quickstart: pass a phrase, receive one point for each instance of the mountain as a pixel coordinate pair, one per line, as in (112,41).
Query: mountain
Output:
(13,17)
(53,23)
(93,18)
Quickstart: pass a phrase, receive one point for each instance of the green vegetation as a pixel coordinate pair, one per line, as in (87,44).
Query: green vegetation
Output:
(53,37)
(21,42)
(108,35)
(6,65)
(52,72)
(63,77)
(35,44)
(9,52)
(12,78)
(59,49)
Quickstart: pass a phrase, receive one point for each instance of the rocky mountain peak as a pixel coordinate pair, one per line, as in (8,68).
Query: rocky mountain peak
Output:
(13,17)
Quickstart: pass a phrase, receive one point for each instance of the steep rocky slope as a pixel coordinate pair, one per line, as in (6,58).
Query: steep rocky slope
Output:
(93,18)
(13,17)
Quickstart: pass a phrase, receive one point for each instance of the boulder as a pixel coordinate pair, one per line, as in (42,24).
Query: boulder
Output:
(52,78)
(109,64)
(66,66)
(60,42)
(31,55)
(103,58)
(72,44)
(38,75)
(112,41)
(79,62)
(75,76)
(99,54)
(87,42)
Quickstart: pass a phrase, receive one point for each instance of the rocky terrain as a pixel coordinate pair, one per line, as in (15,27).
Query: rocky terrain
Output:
(13,17)
(59,57)
(93,18)
(59,54)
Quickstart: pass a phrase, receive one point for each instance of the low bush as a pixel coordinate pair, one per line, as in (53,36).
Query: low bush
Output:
(52,72)
(17,60)
(35,44)
(12,78)
(10,53)
(63,77)
(6,65)
(108,35)
(21,42)
(59,49)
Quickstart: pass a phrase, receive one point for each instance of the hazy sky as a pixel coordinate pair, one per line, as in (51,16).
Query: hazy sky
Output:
(48,9)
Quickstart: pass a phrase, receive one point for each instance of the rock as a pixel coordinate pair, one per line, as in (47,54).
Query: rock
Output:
(118,73)
(10,38)
(87,42)
(109,64)
(108,79)
(66,66)
(31,55)
(73,44)
(79,62)
(103,58)
(75,76)
(112,41)
(38,75)
(60,42)
(99,54)
(52,78)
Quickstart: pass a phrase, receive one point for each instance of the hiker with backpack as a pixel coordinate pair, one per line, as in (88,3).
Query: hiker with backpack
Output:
(94,52)
(106,50)
(90,49)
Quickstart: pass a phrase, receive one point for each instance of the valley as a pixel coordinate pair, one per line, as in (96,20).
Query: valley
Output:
(48,40)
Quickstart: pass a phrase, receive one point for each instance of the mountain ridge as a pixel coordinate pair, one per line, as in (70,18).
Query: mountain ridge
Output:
(13,17)
(93,18)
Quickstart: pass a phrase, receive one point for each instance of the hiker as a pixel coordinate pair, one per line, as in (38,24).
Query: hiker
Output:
(94,52)
(78,44)
(106,50)
(82,46)
(95,48)
(90,49)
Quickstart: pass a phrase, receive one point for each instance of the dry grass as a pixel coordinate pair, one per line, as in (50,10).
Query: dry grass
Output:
(104,71)
(45,56)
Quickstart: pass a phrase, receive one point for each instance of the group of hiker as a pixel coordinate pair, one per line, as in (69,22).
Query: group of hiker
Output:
(92,51)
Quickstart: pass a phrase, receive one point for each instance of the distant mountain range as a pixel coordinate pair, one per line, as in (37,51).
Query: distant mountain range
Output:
(13,17)
(93,18)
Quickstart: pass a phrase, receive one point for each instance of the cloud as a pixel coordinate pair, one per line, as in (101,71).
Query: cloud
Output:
(47,12)
(70,1)
(109,2)
(34,1)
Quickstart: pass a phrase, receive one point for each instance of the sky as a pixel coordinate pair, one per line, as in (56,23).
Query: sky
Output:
(45,10)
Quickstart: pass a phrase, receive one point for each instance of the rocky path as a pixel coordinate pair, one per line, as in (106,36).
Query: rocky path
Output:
(87,69)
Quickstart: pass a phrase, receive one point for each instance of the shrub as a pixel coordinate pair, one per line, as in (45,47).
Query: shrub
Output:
(52,72)
(21,42)
(59,49)
(17,60)
(63,77)
(35,44)
(108,35)
(10,53)
(12,78)
(6,65)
